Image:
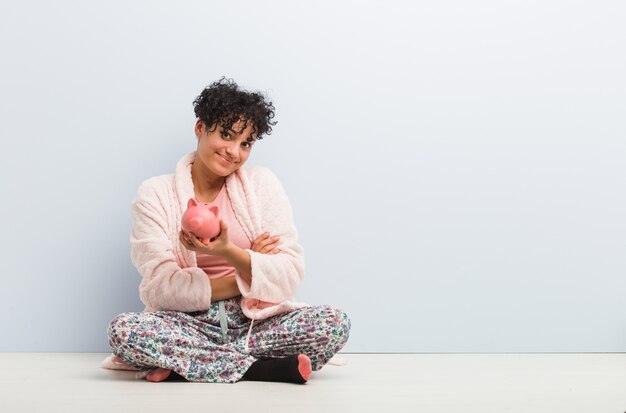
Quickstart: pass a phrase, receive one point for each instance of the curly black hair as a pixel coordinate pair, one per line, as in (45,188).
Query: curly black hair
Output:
(225,103)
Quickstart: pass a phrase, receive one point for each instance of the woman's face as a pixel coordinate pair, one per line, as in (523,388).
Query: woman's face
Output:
(221,151)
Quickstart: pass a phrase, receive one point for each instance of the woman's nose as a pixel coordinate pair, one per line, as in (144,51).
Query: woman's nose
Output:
(233,150)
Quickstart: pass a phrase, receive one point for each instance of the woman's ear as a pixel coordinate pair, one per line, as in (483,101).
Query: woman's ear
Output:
(199,128)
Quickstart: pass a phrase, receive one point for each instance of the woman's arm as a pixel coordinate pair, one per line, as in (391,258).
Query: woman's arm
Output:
(164,285)
(240,259)
(225,288)
(272,278)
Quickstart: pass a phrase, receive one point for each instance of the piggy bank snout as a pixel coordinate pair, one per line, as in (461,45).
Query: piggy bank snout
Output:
(203,220)
(196,222)
(199,220)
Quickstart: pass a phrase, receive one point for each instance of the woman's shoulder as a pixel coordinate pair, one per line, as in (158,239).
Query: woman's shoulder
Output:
(155,185)
(260,175)
(265,183)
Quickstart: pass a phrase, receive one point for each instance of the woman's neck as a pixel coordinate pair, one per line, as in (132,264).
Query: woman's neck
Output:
(205,185)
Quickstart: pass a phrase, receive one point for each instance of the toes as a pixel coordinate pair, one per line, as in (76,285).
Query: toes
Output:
(158,374)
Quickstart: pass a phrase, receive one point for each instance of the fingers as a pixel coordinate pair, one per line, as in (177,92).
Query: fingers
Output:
(223,231)
(269,248)
(266,244)
(260,238)
(197,242)
(182,238)
(192,242)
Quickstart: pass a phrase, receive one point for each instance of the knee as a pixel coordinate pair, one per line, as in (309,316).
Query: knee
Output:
(119,328)
(337,322)
(121,322)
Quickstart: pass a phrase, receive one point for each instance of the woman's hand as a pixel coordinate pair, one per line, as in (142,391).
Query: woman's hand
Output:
(218,246)
(266,244)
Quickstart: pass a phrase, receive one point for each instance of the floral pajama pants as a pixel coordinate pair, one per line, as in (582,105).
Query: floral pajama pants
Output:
(203,347)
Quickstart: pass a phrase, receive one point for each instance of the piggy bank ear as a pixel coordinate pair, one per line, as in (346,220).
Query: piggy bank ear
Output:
(191,202)
(215,209)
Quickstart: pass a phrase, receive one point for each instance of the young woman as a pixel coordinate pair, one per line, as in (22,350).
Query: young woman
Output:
(222,311)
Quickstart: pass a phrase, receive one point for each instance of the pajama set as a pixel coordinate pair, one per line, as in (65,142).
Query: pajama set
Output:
(180,329)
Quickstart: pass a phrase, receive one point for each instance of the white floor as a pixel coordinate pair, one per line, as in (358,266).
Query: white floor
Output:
(460,383)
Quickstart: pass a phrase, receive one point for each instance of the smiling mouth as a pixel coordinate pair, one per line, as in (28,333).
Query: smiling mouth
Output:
(229,161)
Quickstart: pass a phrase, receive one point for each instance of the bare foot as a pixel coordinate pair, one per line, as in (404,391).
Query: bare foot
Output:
(304,366)
(120,361)
(158,374)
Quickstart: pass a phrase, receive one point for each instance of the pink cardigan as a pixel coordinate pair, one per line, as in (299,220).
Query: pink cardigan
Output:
(171,277)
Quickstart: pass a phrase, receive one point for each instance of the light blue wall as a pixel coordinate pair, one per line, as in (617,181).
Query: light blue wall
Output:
(457,169)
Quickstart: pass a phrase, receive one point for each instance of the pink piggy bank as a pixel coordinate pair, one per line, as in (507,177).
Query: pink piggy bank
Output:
(202,220)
